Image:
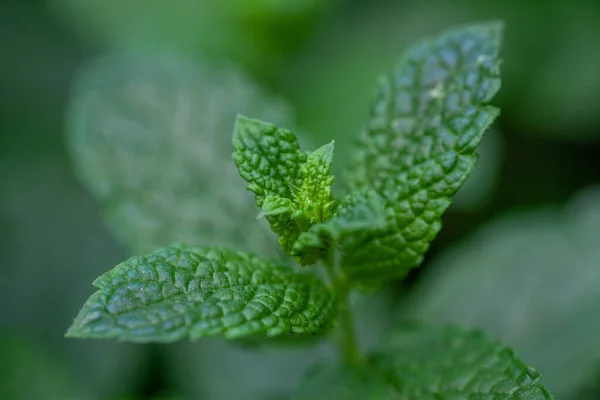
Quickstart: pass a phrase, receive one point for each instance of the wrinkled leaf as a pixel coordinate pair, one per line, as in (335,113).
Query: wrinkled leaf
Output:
(419,146)
(314,198)
(359,216)
(430,363)
(192,292)
(270,160)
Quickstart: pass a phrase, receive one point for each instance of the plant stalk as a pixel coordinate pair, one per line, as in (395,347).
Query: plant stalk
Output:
(348,343)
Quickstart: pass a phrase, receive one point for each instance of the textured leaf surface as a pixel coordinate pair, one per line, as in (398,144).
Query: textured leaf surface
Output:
(419,146)
(531,280)
(430,363)
(270,160)
(292,187)
(193,292)
(150,137)
(315,199)
(358,217)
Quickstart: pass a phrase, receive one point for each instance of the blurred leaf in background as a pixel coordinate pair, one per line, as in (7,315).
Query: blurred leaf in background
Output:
(530,280)
(150,135)
(257,34)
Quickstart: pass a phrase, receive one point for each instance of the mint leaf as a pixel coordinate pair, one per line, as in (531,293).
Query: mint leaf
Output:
(275,205)
(270,160)
(315,199)
(530,279)
(358,217)
(149,134)
(419,146)
(426,362)
(182,291)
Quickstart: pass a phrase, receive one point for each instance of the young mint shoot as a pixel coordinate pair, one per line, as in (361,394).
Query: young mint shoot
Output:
(417,149)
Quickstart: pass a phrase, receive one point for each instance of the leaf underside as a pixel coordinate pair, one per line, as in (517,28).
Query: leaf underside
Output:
(419,146)
(420,362)
(192,292)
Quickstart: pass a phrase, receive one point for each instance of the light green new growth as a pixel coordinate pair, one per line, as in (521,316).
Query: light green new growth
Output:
(194,292)
(314,199)
(419,146)
(430,363)
(358,217)
(292,187)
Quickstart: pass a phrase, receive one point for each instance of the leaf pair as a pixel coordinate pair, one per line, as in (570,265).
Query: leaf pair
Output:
(416,152)
(292,187)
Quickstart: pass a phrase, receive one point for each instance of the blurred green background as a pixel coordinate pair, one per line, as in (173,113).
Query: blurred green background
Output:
(518,255)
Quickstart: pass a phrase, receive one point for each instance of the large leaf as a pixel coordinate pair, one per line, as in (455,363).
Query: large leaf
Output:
(531,280)
(419,146)
(150,137)
(193,292)
(426,362)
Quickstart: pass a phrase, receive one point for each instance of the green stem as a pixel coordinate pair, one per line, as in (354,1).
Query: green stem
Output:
(348,343)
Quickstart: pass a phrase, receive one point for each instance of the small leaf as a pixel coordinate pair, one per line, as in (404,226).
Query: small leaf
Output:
(315,199)
(194,292)
(430,363)
(419,146)
(275,205)
(358,217)
(270,160)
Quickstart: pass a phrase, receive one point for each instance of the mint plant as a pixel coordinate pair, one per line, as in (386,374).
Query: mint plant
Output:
(418,148)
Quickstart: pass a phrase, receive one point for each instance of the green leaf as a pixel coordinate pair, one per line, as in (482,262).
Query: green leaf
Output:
(194,292)
(425,362)
(149,135)
(530,279)
(358,217)
(270,160)
(419,146)
(314,198)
